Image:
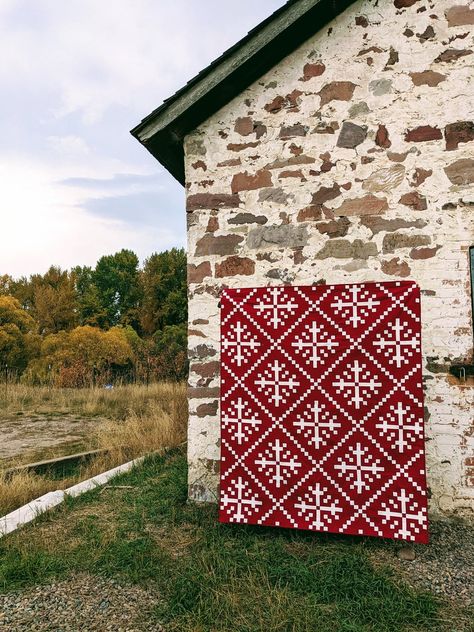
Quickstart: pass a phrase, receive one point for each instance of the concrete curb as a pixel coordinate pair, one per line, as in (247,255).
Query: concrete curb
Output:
(16,519)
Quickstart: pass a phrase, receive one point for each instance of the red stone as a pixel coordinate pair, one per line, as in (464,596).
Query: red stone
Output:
(249,182)
(414,200)
(459,132)
(422,134)
(211,201)
(233,266)
(382,138)
(196,274)
(312,70)
(395,267)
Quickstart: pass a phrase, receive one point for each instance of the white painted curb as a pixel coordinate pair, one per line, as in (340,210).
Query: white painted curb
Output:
(27,513)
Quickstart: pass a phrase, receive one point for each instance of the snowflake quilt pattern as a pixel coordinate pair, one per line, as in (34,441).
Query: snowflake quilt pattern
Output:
(322,409)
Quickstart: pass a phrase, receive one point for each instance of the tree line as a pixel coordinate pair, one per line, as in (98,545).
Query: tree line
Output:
(94,326)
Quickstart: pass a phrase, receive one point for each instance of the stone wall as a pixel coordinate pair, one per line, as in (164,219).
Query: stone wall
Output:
(352,160)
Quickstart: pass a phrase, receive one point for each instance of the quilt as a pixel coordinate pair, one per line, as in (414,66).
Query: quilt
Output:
(322,409)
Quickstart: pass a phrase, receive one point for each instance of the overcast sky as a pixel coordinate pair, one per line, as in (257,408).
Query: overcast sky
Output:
(75,77)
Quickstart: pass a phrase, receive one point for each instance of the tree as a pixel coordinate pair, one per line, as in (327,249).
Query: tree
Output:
(18,342)
(165,290)
(90,309)
(117,280)
(170,349)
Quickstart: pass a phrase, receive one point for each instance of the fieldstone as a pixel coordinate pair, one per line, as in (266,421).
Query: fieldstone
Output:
(200,201)
(361,20)
(278,196)
(344,249)
(324,194)
(293,130)
(206,369)
(201,352)
(367,205)
(452,54)
(424,253)
(385,179)
(461,172)
(248,182)
(244,126)
(290,162)
(351,135)
(414,201)
(197,273)
(242,146)
(337,91)
(199,164)
(460,15)
(313,70)
(380,87)
(382,138)
(428,33)
(422,134)
(427,78)
(358,109)
(396,267)
(393,58)
(292,174)
(285,276)
(207,410)
(334,228)
(204,392)
(248,218)
(420,176)
(221,245)
(233,266)
(378,224)
(394,157)
(212,225)
(310,213)
(285,236)
(290,102)
(459,132)
(233,162)
(195,147)
(395,241)
(404,4)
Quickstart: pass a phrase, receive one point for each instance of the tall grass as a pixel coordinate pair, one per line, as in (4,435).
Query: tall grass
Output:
(145,420)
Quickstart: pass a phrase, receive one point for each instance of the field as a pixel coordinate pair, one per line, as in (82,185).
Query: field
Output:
(38,423)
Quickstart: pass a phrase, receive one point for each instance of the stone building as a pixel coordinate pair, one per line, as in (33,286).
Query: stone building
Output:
(335,144)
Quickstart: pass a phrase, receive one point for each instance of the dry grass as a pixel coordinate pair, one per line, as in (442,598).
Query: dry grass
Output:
(143,420)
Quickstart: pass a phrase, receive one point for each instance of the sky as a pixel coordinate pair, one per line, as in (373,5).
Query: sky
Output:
(75,78)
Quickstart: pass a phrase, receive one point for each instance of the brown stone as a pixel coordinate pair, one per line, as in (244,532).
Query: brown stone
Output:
(337,91)
(460,15)
(204,392)
(351,135)
(244,126)
(396,267)
(344,249)
(428,33)
(414,200)
(324,194)
(394,157)
(378,224)
(420,176)
(248,218)
(248,182)
(298,257)
(312,70)
(334,228)
(290,162)
(233,266)
(292,174)
(361,20)
(461,172)
(200,353)
(242,146)
(195,332)
(199,164)
(290,102)
(385,179)
(424,253)
(260,130)
(367,205)
(200,321)
(427,78)
(393,58)
(394,241)
(422,134)
(310,213)
(293,131)
(404,4)
(196,274)
(382,138)
(212,225)
(459,132)
(207,410)
(206,369)
(233,162)
(371,49)
(452,54)
(327,165)
(221,245)
(211,201)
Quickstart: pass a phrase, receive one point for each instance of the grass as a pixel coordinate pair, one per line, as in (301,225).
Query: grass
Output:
(219,578)
(146,420)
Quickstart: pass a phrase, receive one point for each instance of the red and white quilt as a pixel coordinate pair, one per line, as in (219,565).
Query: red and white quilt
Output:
(322,409)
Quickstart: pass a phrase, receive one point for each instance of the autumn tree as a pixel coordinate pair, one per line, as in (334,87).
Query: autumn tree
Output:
(18,341)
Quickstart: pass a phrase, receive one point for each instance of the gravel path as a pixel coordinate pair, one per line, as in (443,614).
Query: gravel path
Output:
(82,603)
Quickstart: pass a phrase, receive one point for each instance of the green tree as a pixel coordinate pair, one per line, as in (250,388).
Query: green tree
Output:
(165,290)
(18,341)
(54,304)
(170,350)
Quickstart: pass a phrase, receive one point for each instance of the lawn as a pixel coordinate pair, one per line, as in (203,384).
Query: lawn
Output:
(211,577)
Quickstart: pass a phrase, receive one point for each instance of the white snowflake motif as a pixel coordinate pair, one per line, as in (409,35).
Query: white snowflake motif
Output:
(318,507)
(361,468)
(315,344)
(242,503)
(317,424)
(398,343)
(244,344)
(244,423)
(277,463)
(274,311)
(403,515)
(278,382)
(355,305)
(357,384)
(401,426)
